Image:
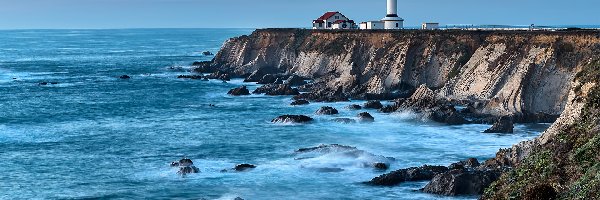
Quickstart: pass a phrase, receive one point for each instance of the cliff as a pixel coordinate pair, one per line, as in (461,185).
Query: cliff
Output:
(506,72)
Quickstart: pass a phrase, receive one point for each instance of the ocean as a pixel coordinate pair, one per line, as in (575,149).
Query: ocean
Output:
(91,135)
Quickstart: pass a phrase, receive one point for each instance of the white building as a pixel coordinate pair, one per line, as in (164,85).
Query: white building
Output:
(391,20)
(430,26)
(372,25)
(333,20)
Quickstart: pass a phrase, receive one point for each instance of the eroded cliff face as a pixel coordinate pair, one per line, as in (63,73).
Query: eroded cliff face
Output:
(555,73)
(514,72)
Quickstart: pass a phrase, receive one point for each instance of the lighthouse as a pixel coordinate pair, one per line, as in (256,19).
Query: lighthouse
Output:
(391,20)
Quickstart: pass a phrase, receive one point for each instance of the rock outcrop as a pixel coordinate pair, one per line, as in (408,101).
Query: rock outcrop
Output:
(326,110)
(276,90)
(503,125)
(423,173)
(292,119)
(240,91)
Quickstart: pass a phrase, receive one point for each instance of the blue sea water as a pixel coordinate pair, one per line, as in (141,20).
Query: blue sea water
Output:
(93,135)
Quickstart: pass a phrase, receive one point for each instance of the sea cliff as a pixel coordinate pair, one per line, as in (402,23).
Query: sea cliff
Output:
(532,76)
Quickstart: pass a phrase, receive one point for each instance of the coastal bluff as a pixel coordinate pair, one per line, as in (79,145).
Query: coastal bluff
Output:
(537,76)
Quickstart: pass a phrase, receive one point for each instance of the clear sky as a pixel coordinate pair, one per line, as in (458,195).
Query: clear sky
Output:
(18,14)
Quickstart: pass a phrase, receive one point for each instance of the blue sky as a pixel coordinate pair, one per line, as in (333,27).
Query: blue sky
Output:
(18,14)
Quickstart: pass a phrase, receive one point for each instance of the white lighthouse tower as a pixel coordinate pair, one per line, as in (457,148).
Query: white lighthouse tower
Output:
(391,20)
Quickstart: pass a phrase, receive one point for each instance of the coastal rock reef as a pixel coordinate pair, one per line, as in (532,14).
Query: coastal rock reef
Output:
(495,77)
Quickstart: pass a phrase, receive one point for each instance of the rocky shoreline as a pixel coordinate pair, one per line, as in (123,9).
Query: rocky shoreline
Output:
(449,77)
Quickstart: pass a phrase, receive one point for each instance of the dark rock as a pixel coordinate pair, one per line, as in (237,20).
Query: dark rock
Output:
(470,163)
(423,173)
(388,109)
(205,79)
(381,166)
(295,80)
(257,75)
(267,79)
(354,107)
(326,148)
(220,76)
(503,125)
(326,110)
(445,114)
(292,119)
(373,105)
(207,53)
(300,102)
(190,76)
(244,167)
(43,83)
(279,81)
(274,90)
(324,96)
(238,198)
(540,192)
(204,67)
(365,117)
(461,182)
(344,120)
(239,91)
(186,166)
(124,77)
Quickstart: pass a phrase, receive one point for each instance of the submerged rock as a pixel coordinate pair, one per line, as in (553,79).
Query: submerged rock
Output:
(381,166)
(207,53)
(124,77)
(292,119)
(186,166)
(326,110)
(354,107)
(503,125)
(242,90)
(423,173)
(190,77)
(342,155)
(373,105)
(344,120)
(244,167)
(365,117)
(300,102)
(461,182)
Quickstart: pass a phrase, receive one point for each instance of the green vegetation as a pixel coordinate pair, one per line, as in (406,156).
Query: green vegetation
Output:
(569,162)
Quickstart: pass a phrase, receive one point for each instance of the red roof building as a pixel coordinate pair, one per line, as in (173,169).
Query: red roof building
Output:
(333,20)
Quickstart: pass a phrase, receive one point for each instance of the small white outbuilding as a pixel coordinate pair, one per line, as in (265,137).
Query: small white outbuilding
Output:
(372,25)
(430,26)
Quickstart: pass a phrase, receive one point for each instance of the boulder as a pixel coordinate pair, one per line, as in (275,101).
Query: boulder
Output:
(295,80)
(373,105)
(461,182)
(124,77)
(300,102)
(203,67)
(276,89)
(244,167)
(470,163)
(354,107)
(365,117)
(503,125)
(326,110)
(219,75)
(207,53)
(423,173)
(292,119)
(381,166)
(344,120)
(267,79)
(242,90)
(186,166)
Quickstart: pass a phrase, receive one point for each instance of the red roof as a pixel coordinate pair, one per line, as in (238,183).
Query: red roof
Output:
(327,15)
(318,21)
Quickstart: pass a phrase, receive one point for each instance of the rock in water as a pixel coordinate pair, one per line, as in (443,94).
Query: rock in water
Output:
(423,173)
(300,102)
(326,110)
(186,166)
(381,166)
(461,182)
(292,119)
(344,120)
(470,163)
(244,167)
(207,53)
(124,77)
(354,107)
(276,90)
(190,77)
(239,91)
(373,105)
(503,125)
(365,117)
